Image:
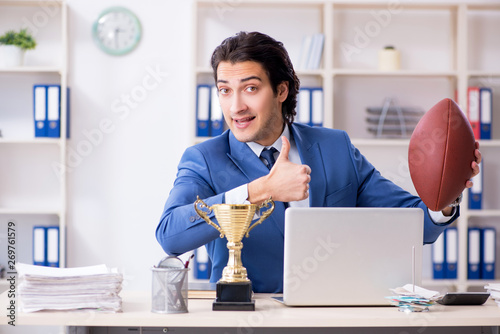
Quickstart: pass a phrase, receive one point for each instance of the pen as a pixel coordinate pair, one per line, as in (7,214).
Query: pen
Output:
(187,262)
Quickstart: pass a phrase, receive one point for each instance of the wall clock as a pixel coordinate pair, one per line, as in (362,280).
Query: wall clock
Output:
(117,31)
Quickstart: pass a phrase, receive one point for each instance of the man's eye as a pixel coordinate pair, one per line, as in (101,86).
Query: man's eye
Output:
(251,89)
(223,90)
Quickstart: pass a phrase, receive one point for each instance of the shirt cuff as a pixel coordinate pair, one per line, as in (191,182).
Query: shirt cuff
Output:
(438,218)
(238,195)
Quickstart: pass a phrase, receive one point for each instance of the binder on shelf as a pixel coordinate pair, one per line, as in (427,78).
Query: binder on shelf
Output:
(39,245)
(488,250)
(476,191)
(216,116)
(451,244)
(54,111)
(304,106)
(474,253)
(202,264)
(203,110)
(473,110)
(40,110)
(52,246)
(317,106)
(438,257)
(486,110)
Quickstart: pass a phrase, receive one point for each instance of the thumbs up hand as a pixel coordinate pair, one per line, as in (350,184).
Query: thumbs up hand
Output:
(286,182)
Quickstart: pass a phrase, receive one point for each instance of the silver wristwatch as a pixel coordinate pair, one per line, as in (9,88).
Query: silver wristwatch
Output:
(456,202)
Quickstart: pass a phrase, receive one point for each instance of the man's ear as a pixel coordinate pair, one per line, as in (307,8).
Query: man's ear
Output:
(282,91)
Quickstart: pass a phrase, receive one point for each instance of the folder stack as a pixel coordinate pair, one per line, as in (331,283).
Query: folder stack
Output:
(480,110)
(45,288)
(209,116)
(310,106)
(47,110)
(392,120)
(445,255)
(46,246)
(482,253)
(494,290)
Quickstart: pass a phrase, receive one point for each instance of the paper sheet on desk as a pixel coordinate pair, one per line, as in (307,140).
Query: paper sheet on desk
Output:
(494,290)
(45,288)
(24,269)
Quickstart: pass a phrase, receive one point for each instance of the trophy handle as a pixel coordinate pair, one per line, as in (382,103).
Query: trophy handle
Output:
(266,214)
(204,215)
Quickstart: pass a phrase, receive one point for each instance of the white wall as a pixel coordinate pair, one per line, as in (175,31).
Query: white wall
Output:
(126,140)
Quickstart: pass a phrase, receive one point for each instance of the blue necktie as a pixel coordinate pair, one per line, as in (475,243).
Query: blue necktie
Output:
(268,155)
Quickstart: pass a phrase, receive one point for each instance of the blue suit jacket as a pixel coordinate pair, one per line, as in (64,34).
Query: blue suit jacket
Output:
(340,177)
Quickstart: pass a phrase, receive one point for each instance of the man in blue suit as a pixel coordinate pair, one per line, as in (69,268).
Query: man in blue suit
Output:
(316,167)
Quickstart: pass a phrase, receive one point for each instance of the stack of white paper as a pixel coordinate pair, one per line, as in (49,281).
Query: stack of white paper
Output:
(46,288)
(494,290)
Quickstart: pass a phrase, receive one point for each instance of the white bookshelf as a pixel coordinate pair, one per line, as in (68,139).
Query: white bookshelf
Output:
(443,32)
(33,192)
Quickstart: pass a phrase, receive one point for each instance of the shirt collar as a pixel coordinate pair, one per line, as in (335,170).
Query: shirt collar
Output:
(257,148)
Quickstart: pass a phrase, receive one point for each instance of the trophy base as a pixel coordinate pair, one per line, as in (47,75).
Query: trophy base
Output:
(234,297)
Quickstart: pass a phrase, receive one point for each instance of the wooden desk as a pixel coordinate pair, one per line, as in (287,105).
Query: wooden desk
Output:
(268,313)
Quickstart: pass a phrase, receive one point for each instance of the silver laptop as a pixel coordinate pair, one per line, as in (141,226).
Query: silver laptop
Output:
(350,256)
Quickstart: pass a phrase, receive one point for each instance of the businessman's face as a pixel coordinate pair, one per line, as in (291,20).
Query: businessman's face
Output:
(251,109)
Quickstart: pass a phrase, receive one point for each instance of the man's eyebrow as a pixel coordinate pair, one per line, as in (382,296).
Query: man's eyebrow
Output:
(242,80)
(251,78)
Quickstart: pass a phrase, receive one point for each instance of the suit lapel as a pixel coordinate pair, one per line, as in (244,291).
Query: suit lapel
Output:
(245,159)
(310,154)
(252,167)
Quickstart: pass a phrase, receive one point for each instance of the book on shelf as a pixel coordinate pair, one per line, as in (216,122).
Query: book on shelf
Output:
(311,52)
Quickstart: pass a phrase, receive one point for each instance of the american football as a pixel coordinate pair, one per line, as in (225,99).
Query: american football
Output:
(440,154)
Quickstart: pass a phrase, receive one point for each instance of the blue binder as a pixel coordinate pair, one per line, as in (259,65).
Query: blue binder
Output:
(304,106)
(216,115)
(52,246)
(451,242)
(39,245)
(474,253)
(438,257)
(486,111)
(476,192)
(54,111)
(202,263)
(203,93)
(488,251)
(40,110)
(317,109)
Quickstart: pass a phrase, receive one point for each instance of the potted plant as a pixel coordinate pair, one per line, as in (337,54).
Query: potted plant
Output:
(13,46)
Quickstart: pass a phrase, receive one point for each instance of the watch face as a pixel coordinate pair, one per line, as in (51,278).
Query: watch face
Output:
(117,31)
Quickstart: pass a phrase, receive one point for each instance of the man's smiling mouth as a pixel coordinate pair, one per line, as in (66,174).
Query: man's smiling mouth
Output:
(243,121)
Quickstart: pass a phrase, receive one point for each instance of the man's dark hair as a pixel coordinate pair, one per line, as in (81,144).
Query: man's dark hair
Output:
(271,54)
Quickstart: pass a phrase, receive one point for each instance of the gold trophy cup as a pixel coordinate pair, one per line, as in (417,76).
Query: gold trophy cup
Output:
(234,289)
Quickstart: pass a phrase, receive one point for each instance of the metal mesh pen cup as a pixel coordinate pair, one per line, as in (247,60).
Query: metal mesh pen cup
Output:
(169,290)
